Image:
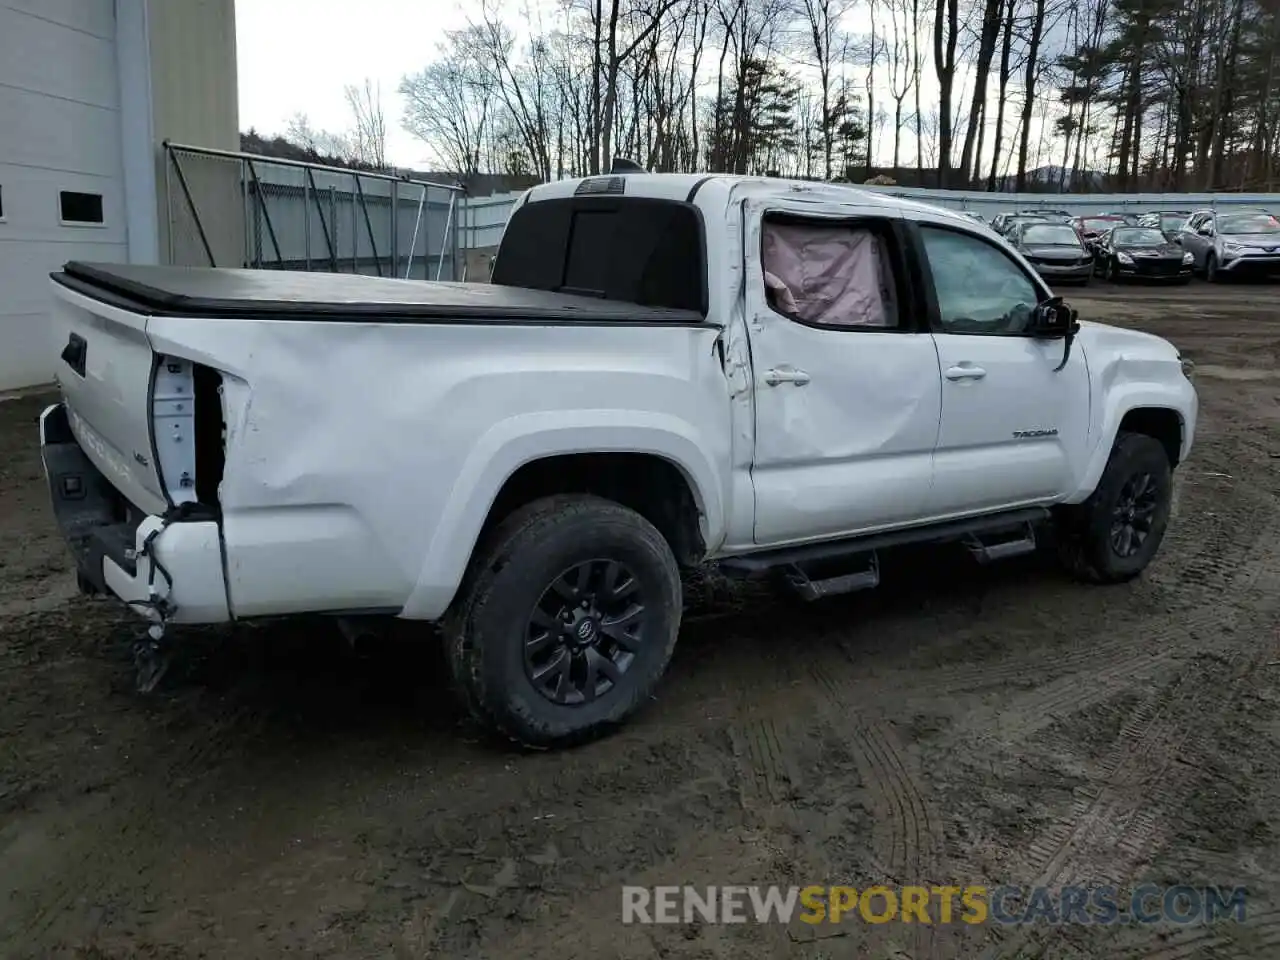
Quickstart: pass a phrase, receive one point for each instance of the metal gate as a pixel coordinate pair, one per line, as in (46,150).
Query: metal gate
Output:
(225,208)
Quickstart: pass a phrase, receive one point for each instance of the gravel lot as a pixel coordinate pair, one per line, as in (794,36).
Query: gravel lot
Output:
(284,795)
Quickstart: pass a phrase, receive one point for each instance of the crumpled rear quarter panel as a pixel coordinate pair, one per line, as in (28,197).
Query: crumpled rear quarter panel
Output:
(362,457)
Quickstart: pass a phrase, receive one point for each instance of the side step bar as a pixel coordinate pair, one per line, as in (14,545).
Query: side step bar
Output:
(766,560)
(813,589)
(983,552)
(988,539)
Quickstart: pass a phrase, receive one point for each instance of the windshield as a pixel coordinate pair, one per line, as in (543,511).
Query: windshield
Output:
(1051,233)
(1254,223)
(1138,235)
(1171,221)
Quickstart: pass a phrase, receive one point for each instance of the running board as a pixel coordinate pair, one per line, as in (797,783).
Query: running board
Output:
(988,552)
(815,589)
(759,564)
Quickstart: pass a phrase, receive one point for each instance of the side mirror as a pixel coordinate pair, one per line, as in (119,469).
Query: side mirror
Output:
(1205,231)
(1053,319)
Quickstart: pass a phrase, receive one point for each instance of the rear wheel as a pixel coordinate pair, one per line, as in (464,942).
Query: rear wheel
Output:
(1113,536)
(566,622)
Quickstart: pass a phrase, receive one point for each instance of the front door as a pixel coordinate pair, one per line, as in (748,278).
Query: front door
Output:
(846,388)
(1013,425)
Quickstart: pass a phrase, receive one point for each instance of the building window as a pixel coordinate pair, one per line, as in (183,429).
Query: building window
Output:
(80,208)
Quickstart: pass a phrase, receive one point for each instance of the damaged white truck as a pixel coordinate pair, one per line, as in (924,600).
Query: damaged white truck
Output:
(666,371)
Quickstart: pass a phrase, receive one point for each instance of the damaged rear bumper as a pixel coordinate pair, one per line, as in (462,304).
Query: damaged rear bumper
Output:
(166,568)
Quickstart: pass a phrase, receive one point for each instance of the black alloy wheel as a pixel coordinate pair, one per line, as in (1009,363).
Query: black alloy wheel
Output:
(1134,514)
(584,632)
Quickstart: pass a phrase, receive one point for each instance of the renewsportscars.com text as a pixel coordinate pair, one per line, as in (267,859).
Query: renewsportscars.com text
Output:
(971,904)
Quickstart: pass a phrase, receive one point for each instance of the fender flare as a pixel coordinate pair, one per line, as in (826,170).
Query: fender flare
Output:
(1124,400)
(517,441)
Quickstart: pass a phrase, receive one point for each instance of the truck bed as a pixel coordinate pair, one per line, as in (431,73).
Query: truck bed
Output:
(285,295)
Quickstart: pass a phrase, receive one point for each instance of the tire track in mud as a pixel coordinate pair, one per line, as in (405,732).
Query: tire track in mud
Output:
(1211,571)
(907,837)
(1149,647)
(1144,776)
(1262,930)
(770,777)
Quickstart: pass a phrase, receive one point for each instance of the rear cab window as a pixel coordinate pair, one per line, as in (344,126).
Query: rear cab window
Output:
(645,251)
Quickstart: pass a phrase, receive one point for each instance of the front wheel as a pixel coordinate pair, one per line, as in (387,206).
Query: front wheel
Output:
(1111,272)
(1113,536)
(1211,269)
(566,621)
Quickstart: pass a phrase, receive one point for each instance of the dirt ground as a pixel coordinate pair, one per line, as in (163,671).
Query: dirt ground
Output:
(285,795)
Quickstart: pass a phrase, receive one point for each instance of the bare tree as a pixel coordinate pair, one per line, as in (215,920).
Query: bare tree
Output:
(822,17)
(946,30)
(447,105)
(903,67)
(369,133)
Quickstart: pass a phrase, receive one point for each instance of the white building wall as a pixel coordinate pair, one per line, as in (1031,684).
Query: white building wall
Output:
(88,89)
(59,131)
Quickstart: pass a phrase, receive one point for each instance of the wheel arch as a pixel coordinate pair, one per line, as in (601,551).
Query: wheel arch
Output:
(652,464)
(1152,413)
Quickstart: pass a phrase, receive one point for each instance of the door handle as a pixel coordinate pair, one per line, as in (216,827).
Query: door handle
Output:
(965,372)
(786,375)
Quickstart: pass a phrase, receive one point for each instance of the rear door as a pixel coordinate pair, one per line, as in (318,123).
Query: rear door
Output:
(104,369)
(846,386)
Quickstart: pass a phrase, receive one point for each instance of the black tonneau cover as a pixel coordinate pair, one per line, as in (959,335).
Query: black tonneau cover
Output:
(284,295)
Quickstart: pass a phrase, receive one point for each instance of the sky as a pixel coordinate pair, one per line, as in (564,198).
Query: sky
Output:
(296,56)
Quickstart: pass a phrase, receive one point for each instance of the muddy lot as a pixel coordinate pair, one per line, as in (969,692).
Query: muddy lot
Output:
(285,795)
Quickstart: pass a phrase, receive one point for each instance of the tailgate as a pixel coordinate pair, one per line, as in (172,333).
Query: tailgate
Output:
(105,373)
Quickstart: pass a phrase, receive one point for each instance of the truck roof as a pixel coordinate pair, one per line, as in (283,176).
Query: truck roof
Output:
(686,187)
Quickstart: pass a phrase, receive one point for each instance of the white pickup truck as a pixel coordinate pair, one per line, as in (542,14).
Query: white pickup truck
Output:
(778,378)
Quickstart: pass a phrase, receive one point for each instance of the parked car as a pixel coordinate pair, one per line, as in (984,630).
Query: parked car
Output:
(1166,221)
(1092,227)
(1005,222)
(1232,243)
(1061,215)
(1141,252)
(532,463)
(1127,216)
(1054,249)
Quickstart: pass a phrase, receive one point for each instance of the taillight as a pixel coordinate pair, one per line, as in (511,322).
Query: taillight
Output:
(186,427)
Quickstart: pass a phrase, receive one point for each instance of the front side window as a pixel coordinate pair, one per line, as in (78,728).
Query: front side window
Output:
(1255,224)
(980,288)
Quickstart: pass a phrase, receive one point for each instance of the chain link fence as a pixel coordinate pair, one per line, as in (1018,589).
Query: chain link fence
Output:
(228,209)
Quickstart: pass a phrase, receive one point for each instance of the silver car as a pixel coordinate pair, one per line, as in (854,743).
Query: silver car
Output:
(1232,243)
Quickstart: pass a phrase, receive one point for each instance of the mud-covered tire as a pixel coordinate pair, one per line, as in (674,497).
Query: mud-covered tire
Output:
(488,627)
(1087,541)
